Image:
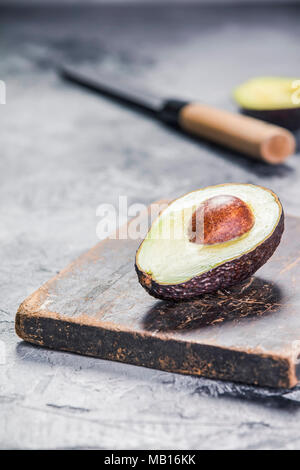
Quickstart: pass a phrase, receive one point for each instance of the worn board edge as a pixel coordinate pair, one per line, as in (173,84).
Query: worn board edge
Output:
(155,351)
(89,336)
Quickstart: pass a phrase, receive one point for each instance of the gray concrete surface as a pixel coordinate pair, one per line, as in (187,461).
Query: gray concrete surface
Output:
(64,151)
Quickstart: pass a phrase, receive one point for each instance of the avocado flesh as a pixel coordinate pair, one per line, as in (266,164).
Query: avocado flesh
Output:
(177,261)
(266,93)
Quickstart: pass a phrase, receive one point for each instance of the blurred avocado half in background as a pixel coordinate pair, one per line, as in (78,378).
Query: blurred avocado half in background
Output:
(272,99)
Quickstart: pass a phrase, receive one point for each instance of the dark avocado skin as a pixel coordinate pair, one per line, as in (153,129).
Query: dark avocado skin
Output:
(224,275)
(288,118)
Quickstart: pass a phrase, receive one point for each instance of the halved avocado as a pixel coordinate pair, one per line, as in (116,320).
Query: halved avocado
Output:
(209,239)
(273,99)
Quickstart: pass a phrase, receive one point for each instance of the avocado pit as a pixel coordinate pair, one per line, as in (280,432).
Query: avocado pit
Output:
(220,219)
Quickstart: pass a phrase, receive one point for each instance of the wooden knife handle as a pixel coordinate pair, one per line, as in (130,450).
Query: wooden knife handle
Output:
(251,136)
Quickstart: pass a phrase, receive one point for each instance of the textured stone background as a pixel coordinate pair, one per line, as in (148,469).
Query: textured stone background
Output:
(64,151)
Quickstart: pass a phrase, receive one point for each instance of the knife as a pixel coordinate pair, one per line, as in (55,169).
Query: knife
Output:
(252,137)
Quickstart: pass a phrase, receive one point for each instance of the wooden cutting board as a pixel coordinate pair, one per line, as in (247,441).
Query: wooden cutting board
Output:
(96,307)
